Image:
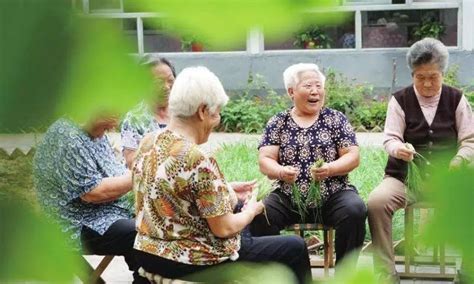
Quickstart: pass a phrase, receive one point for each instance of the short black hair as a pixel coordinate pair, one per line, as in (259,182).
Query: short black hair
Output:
(153,62)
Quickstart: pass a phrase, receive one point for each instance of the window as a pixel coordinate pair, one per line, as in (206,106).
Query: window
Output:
(403,27)
(340,34)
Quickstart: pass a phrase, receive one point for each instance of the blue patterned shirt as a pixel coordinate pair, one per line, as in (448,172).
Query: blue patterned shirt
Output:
(136,124)
(68,164)
(301,147)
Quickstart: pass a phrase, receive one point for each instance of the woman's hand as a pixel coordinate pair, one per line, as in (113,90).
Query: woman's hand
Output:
(243,189)
(253,206)
(288,174)
(456,163)
(322,172)
(404,153)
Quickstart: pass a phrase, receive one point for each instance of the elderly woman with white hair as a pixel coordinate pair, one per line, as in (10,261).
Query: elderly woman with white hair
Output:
(437,120)
(185,207)
(292,142)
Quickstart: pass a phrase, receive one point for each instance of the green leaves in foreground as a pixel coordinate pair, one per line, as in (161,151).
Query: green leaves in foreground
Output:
(57,63)
(452,195)
(251,273)
(223,23)
(32,248)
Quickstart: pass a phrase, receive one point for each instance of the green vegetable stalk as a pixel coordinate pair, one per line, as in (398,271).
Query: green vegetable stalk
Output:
(413,181)
(298,202)
(314,198)
(262,191)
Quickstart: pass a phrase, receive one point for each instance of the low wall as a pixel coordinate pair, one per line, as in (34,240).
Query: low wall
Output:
(374,67)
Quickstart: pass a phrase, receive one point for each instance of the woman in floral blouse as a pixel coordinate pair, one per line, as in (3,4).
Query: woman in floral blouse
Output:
(295,139)
(184,205)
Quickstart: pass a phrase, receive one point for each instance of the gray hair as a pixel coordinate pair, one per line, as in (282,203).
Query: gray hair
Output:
(428,51)
(291,74)
(195,86)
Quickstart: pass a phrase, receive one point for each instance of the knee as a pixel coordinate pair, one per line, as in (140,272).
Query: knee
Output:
(377,202)
(296,246)
(356,210)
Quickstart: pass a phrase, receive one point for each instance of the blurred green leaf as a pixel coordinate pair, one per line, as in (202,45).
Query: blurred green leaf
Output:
(224,23)
(452,195)
(249,273)
(56,63)
(31,247)
(102,77)
(347,274)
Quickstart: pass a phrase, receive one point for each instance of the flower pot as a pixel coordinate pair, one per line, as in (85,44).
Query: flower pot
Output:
(309,44)
(196,47)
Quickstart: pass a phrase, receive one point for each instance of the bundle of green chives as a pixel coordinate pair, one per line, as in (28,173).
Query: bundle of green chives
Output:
(262,191)
(314,197)
(298,202)
(413,179)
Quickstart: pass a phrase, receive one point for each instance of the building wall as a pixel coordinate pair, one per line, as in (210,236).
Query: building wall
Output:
(368,66)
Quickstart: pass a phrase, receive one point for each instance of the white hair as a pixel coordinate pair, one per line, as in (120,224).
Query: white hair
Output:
(195,86)
(291,76)
(426,51)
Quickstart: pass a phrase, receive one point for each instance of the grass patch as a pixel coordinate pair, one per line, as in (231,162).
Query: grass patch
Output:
(237,162)
(16,180)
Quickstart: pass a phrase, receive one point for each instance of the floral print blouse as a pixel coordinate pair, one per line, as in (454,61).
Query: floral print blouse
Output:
(68,164)
(301,147)
(136,124)
(176,188)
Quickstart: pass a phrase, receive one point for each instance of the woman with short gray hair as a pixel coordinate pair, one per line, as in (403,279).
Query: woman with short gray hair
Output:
(437,120)
(187,214)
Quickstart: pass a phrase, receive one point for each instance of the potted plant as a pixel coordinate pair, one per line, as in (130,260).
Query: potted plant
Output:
(312,37)
(429,27)
(191,43)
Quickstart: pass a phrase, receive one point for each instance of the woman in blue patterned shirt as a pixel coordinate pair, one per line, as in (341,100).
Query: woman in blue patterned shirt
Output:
(81,185)
(292,142)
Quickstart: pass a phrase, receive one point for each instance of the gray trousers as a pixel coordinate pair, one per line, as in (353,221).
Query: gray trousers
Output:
(383,202)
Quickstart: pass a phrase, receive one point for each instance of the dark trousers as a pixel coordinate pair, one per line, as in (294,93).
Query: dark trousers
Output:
(287,250)
(344,210)
(117,240)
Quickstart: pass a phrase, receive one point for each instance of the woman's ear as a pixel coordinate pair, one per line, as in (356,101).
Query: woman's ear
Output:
(290,93)
(201,111)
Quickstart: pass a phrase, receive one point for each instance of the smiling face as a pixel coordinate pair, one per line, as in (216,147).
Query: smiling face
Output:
(428,79)
(308,95)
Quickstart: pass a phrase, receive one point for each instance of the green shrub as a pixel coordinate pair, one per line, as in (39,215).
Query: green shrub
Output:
(341,94)
(351,99)
(369,115)
(451,79)
(250,111)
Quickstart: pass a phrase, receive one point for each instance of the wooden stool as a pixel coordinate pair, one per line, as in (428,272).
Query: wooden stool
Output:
(410,248)
(328,236)
(93,275)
